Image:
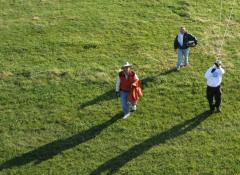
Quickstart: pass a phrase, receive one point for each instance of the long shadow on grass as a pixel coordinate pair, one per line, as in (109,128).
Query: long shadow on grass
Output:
(153,79)
(109,95)
(113,165)
(50,150)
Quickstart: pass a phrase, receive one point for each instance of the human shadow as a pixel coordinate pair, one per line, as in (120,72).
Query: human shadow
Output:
(169,71)
(113,165)
(109,95)
(153,79)
(50,150)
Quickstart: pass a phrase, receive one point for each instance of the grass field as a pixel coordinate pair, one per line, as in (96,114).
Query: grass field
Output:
(58,111)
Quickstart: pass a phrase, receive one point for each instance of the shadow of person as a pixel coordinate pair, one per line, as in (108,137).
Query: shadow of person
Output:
(113,165)
(152,79)
(109,95)
(50,150)
(169,71)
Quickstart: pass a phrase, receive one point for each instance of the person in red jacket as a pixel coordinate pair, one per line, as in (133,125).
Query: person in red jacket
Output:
(124,83)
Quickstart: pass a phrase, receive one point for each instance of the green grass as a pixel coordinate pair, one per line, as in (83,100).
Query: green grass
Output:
(58,112)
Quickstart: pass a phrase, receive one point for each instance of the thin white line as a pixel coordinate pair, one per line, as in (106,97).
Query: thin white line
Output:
(220,18)
(225,33)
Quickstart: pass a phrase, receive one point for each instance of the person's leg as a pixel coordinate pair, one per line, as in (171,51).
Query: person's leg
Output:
(180,55)
(210,98)
(124,101)
(186,55)
(218,98)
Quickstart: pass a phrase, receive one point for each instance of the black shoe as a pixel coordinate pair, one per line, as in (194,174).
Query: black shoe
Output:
(218,109)
(212,108)
(211,111)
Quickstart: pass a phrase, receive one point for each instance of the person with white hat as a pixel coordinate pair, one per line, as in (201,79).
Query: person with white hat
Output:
(214,80)
(124,82)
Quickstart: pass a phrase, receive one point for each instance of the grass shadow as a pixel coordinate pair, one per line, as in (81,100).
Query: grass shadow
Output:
(152,79)
(50,150)
(169,71)
(109,95)
(113,165)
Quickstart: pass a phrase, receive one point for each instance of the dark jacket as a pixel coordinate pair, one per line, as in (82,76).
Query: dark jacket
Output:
(186,38)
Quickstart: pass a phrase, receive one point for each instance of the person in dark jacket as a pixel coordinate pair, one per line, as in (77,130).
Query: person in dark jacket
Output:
(182,43)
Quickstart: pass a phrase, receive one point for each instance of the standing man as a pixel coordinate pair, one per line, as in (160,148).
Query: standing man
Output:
(182,43)
(123,86)
(214,79)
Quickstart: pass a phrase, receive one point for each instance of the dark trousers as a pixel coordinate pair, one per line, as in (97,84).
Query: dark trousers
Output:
(214,92)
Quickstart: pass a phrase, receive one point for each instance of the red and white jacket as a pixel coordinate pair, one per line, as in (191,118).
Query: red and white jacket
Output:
(124,82)
(135,92)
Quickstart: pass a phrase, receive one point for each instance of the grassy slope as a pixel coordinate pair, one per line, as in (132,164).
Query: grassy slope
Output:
(58,65)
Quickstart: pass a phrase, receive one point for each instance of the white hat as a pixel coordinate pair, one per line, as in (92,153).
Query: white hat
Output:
(126,65)
(218,62)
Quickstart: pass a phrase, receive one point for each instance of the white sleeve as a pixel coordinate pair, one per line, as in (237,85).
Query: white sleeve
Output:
(136,77)
(118,84)
(208,73)
(222,71)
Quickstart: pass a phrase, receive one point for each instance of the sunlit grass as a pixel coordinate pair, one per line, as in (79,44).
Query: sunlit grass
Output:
(59,113)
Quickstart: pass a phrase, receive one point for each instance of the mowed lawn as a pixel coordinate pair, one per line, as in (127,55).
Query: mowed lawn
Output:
(58,110)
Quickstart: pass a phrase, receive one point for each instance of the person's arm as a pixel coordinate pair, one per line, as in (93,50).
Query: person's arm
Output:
(175,44)
(136,77)
(221,71)
(192,38)
(118,84)
(208,73)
